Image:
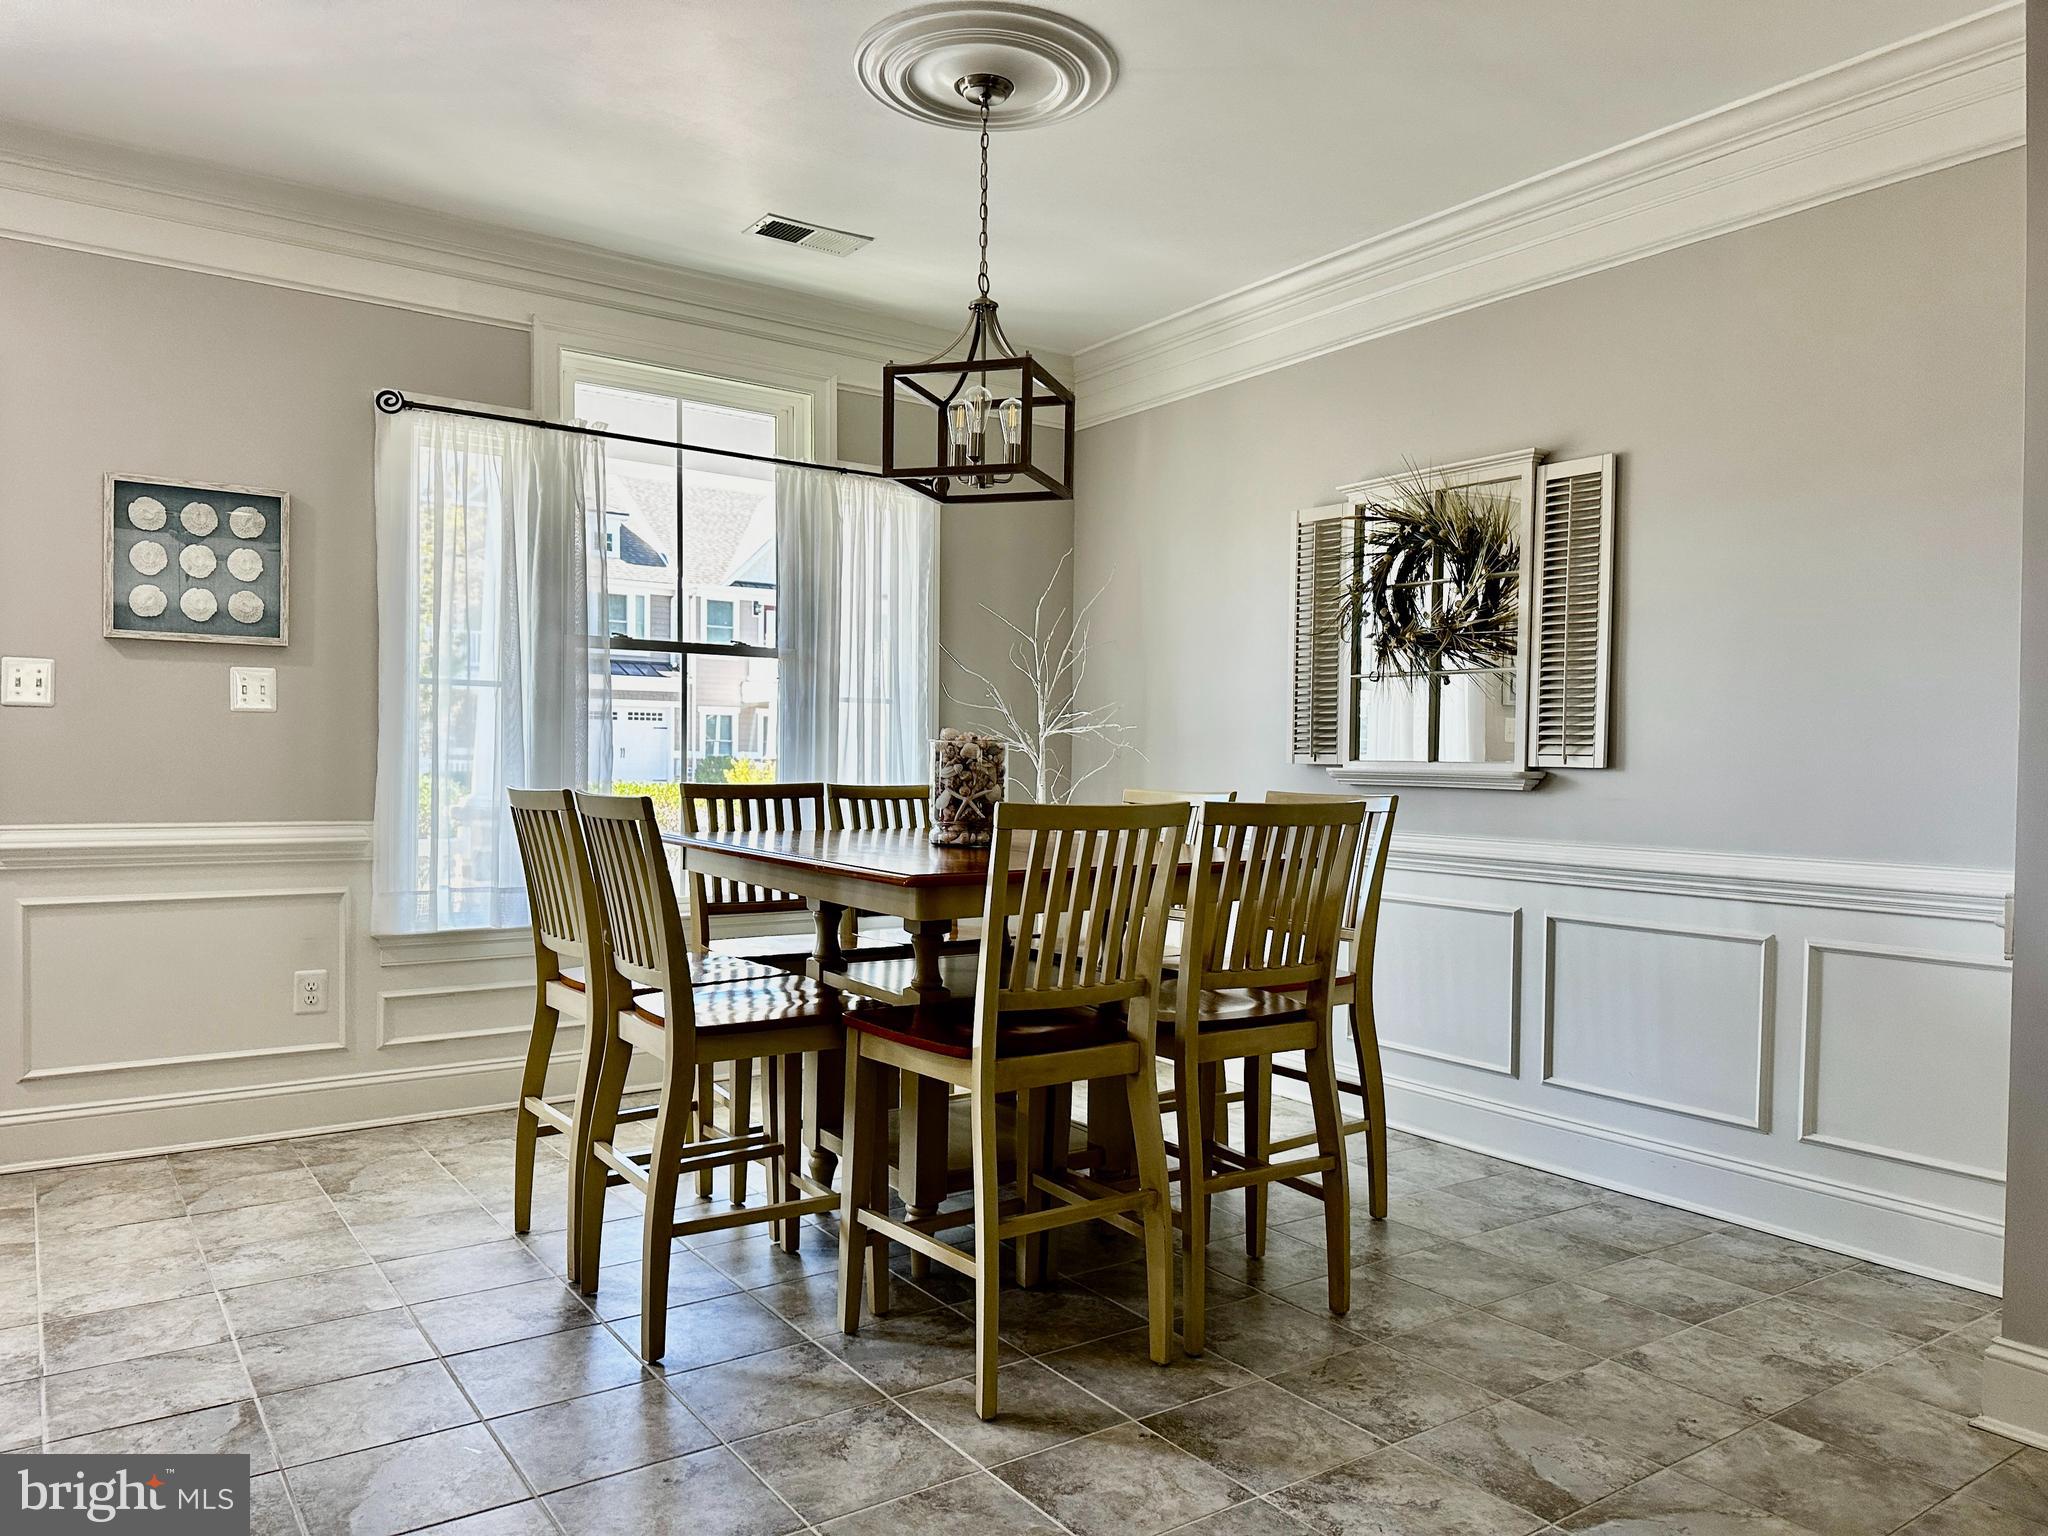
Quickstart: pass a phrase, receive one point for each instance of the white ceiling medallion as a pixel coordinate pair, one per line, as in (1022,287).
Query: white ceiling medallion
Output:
(913,60)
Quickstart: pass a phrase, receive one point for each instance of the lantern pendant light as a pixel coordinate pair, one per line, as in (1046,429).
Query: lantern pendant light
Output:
(1000,426)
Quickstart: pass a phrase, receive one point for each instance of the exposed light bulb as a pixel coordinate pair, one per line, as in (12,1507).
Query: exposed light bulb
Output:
(1010,417)
(962,423)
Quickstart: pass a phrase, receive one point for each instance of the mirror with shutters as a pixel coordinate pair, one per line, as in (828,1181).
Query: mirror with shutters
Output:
(1452,624)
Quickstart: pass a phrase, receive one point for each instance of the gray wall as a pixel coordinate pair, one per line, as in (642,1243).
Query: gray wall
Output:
(1819,423)
(118,365)
(2026,1177)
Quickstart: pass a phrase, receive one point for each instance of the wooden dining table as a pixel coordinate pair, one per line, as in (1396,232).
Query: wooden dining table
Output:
(894,873)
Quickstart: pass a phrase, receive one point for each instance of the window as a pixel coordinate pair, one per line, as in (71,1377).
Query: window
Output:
(715,735)
(1451,625)
(691,539)
(718,621)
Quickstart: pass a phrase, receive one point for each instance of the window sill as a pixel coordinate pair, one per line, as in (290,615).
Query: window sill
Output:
(453,945)
(1499,776)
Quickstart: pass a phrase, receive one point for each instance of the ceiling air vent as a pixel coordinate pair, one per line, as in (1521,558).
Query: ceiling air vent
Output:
(808,237)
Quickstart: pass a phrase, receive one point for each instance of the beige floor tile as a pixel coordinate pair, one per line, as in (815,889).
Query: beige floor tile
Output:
(1262,1436)
(1530,1459)
(1394,1493)
(587,1438)
(1038,1409)
(852,1459)
(1123,1481)
(1811,1483)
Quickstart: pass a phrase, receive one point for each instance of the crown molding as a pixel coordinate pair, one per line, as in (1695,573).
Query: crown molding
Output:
(1939,99)
(89,196)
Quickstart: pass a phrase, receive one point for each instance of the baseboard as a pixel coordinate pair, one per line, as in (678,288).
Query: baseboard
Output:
(235,1117)
(2016,1392)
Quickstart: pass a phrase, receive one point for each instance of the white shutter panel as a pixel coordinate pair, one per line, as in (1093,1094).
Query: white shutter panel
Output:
(1572,626)
(1320,546)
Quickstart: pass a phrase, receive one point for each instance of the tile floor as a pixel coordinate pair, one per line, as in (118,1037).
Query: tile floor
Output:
(1523,1354)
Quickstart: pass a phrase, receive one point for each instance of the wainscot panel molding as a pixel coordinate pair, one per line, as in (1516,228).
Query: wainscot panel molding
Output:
(1654,1064)
(148,995)
(1896,1072)
(1663,1010)
(1466,956)
(1945,97)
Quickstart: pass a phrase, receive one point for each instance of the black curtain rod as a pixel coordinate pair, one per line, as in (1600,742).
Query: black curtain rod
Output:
(392,401)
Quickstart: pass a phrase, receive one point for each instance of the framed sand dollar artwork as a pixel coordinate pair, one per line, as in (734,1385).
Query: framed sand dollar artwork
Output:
(196,562)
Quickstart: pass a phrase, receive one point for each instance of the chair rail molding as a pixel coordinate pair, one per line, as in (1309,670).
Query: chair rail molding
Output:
(1949,95)
(1908,890)
(135,845)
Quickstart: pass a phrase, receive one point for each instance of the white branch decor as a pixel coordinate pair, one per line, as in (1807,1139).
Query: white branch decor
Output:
(1042,714)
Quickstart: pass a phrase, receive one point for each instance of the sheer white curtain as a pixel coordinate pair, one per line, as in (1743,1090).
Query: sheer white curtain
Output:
(858,586)
(494,669)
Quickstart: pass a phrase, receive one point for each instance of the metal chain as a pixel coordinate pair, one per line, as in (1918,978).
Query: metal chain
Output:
(981,280)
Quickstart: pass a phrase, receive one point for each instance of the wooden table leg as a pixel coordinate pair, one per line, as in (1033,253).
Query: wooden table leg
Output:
(1109,1127)
(923,1160)
(824,1071)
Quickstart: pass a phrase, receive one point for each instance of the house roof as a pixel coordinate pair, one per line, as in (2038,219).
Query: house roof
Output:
(732,525)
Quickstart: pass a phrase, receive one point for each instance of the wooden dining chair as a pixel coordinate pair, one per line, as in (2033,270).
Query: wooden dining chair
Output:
(1357,934)
(774,1019)
(717,903)
(560,898)
(1255,975)
(878,807)
(1066,984)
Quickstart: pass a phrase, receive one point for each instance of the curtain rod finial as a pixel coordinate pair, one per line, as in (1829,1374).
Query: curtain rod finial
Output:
(391,401)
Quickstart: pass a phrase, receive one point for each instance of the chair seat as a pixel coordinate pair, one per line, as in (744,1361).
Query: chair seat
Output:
(948,1028)
(1229,1006)
(762,1002)
(576,980)
(1340,981)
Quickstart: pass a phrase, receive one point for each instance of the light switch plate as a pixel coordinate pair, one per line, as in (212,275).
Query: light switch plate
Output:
(30,680)
(252,688)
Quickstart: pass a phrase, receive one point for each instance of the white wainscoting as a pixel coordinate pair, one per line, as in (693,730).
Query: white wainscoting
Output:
(1872,1121)
(145,1002)
(148,999)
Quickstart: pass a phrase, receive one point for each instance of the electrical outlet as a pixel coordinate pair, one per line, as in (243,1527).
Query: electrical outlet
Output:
(252,688)
(309,992)
(30,680)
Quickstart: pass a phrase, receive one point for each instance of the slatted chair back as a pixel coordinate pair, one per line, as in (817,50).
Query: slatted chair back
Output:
(1085,927)
(557,876)
(879,807)
(1361,918)
(1267,894)
(724,808)
(643,928)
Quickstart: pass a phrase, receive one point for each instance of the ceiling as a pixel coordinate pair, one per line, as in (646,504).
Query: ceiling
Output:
(1241,138)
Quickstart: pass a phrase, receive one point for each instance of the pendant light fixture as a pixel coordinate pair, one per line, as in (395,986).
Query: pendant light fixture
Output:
(983,420)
